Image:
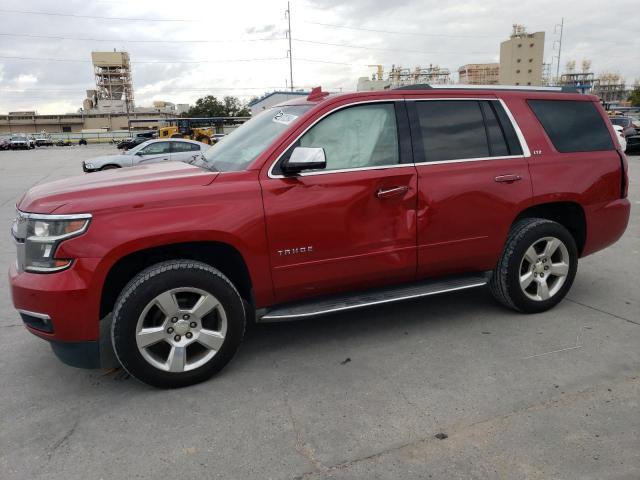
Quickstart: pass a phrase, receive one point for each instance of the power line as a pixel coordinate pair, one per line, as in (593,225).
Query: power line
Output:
(380,48)
(171,89)
(148,62)
(117,40)
(97,17)
(397,32)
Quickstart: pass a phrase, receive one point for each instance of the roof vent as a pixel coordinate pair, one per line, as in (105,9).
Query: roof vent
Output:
(316,94)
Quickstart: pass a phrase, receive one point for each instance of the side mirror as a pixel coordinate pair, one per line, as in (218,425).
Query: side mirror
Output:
(139,153)
(304,158)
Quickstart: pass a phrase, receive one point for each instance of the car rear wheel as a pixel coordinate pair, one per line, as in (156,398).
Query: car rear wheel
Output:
(177,323)
(537,267)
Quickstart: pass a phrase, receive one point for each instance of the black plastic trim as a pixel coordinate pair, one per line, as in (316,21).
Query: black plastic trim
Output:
(78,354)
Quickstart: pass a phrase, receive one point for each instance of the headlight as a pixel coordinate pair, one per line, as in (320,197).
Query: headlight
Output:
(89,165)
(38,237)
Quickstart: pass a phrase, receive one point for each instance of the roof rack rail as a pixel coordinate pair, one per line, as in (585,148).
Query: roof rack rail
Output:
(528,88)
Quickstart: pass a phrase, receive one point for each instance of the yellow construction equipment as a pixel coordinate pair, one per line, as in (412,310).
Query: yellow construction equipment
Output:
(185,129)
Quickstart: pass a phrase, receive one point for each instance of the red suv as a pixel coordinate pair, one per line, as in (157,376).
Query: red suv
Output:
(329,203)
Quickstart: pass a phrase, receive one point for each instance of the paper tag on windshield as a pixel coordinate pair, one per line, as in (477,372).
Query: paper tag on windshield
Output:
(284,118)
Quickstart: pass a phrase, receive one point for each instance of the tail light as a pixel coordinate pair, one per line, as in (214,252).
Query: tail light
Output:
(624,176)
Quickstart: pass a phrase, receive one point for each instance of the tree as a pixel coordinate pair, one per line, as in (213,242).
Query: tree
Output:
(634,98)
(234,108)
(210,106)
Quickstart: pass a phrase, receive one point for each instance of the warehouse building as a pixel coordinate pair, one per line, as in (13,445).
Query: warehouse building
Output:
(31,122)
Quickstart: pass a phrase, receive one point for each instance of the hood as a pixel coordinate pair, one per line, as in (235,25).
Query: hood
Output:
(112,188)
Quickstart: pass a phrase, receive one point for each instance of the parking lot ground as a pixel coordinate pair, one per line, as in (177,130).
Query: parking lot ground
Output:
(356,395)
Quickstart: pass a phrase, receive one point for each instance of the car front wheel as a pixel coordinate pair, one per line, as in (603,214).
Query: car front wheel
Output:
(177,323)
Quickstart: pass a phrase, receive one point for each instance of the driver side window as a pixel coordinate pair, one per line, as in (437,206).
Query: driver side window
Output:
(155,148)
(356,137)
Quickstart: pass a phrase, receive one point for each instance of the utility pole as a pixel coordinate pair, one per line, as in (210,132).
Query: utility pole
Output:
(559,48)
(288,14)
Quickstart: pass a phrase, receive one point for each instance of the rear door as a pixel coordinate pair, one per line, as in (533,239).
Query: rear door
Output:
(184,151)
(473,179)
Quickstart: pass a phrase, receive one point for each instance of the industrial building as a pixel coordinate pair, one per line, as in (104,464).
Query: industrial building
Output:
(400,77)
(521,58)
(479,74)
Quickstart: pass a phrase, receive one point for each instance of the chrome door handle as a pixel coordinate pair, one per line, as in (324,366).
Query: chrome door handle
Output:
(507,178)
(392,192)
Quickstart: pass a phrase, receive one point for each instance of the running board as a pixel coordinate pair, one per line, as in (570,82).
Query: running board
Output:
(349,301)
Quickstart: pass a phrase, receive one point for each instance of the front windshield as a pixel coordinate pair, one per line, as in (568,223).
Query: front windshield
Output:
(237,150)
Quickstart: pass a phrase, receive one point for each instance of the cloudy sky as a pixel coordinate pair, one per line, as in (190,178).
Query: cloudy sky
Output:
(239,48)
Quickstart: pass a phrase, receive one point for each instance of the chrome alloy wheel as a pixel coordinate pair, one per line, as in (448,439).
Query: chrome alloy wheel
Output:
(544,268)
(181,329)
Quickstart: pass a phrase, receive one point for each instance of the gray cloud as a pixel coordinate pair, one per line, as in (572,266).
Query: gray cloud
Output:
(449,35)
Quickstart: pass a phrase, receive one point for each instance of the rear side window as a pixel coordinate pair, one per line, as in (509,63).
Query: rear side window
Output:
(572,125)
(465,129)
(452,129)
(184,147)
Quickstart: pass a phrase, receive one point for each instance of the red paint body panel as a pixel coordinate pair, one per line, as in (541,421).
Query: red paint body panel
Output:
(453,217)
(464,215)
(356,238)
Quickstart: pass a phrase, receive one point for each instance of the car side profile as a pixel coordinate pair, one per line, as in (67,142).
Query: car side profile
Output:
(151,151)
(319,205)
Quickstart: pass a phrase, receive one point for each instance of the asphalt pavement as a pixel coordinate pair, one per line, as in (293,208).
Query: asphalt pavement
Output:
(446,387)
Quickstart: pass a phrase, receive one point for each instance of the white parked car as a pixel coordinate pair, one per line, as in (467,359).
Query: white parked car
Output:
(151,151)
(620,136)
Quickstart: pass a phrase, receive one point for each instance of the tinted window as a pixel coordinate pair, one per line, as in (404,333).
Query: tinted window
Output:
(497,143)
(185,147)
(515,148)
(572,126)
(452,129)
(360,136)
(156,148)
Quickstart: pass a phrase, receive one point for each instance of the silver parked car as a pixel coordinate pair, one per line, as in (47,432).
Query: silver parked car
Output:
(151,151)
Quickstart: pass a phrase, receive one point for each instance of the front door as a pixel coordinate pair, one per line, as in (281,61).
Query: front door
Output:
(353,224)
(473,180)
(153,153)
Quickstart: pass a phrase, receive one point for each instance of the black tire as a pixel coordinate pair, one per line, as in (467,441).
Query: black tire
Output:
(145,287)
(505,281)
(110,167)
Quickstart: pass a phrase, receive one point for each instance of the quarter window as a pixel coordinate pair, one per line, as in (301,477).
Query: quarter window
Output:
(356,137)
(572,125)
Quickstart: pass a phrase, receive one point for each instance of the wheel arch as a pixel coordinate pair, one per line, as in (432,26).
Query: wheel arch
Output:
(219,255)
(569,214)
